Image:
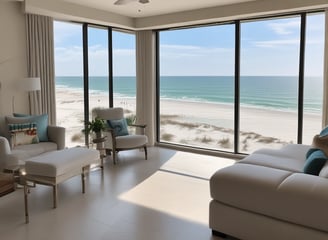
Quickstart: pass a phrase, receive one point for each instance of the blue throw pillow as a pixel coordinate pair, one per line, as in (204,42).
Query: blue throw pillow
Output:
(41,123)
(324,132)
(119,126)
(315,159)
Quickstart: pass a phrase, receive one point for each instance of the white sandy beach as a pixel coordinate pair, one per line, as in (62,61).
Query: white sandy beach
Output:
(193,123)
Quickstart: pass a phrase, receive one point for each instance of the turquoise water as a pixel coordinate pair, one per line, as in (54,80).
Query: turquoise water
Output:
(274,92)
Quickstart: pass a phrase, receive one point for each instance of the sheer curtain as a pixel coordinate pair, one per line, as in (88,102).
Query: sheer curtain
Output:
(325,77)
(40,61)
(146,79)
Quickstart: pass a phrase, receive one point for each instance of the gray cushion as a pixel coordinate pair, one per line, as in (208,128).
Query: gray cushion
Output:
(291,157)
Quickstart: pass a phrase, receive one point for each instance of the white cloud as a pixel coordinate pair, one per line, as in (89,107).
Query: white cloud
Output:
(276,43)
(64,31)
(196,60)
(182,51)
(285,28)
(69,61)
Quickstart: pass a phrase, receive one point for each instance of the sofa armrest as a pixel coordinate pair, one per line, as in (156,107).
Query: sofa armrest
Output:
(4,151)
(56,134)
(4,146)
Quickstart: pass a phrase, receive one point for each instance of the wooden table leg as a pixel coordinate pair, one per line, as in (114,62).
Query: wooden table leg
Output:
(83,179)
(26,190)
(54,189)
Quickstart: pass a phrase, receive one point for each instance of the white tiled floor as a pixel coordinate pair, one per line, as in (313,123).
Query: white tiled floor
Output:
(131,200)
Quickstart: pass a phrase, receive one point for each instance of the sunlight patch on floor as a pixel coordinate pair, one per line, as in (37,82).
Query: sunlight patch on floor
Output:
(173,194)
(195,164)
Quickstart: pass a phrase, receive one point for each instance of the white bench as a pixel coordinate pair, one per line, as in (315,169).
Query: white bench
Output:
(55,167)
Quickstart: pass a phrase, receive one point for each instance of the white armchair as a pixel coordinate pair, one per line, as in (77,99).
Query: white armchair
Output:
(118,139)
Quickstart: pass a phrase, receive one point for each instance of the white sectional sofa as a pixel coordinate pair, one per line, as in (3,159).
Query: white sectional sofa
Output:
(267,196)
(11,157)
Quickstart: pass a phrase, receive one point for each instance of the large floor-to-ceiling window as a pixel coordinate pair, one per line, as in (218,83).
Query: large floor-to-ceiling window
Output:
(124,72)
(269,95)
(197,86)
(269,69)
(69,80)
(313,72)
(98,68)
(86,58)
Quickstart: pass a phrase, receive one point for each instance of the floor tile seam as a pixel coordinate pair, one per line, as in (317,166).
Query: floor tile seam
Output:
(183,174)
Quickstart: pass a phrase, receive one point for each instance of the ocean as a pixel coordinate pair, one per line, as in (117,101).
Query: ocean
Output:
(269,92)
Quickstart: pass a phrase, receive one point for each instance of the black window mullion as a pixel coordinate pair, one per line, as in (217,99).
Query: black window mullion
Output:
(157,87)
(301,79)
(110,66)
(85,78)
(237,87)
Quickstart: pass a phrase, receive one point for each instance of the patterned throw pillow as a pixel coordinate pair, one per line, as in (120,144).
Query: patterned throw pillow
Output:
(119,126)
(23,133)
(40,120)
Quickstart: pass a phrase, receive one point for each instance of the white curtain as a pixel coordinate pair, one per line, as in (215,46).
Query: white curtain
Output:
(325,77)
(146,79)
(40,61)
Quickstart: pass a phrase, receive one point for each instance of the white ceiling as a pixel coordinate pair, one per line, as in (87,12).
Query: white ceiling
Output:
(154,7)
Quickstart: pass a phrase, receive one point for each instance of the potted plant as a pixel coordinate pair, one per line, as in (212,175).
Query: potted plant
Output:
(96,125)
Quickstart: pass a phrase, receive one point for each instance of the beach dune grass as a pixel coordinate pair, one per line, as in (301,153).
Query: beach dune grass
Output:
(225,142)
(167,137)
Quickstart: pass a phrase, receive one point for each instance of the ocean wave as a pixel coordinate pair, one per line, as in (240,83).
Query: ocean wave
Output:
(255,98)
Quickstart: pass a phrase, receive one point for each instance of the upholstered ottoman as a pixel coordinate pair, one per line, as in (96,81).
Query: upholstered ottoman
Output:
(55,167)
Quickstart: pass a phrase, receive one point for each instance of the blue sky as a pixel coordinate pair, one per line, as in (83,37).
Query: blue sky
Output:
(268,47)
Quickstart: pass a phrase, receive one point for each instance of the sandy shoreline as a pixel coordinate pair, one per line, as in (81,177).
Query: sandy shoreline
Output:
(205,124)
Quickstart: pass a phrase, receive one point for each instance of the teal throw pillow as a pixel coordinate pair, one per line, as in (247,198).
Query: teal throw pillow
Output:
(315,160)
(119,126)
(41,123)
(324,132)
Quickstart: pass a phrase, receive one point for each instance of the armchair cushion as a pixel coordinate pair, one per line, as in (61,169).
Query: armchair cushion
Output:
(131,141)
(119,126)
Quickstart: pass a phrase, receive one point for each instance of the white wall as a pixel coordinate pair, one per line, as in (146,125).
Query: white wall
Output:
(13,64)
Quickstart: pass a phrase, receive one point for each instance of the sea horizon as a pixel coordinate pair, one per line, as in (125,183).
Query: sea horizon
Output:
(263,92)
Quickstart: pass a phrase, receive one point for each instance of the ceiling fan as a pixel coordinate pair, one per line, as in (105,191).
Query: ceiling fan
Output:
(122,2)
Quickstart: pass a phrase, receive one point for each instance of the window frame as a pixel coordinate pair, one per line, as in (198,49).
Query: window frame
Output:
(301,77)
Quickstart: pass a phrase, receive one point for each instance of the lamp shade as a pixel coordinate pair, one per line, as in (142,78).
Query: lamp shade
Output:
(31,84)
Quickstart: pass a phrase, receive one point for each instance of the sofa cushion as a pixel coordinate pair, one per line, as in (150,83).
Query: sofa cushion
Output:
(293,197)
(290,157)
(324,171)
